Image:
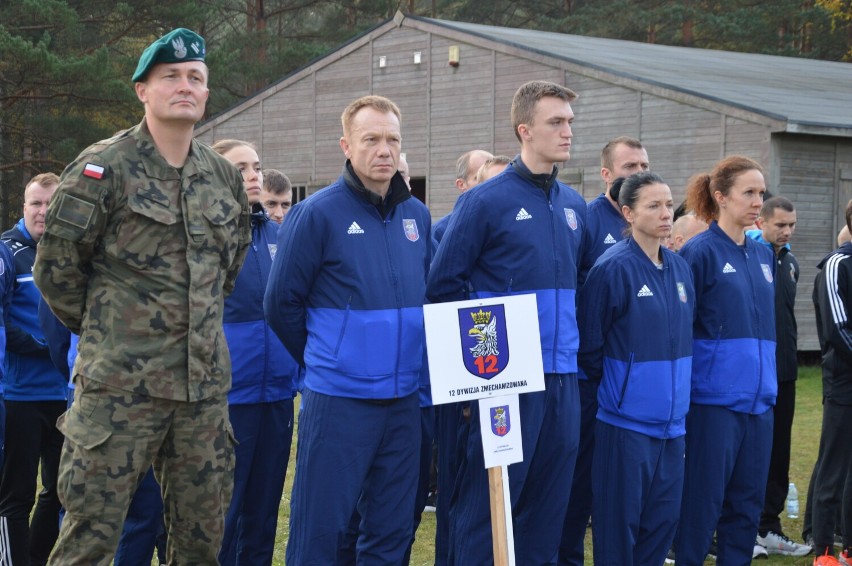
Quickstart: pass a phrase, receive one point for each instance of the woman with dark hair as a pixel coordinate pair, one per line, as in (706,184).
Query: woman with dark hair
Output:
(635,313)
(729,428)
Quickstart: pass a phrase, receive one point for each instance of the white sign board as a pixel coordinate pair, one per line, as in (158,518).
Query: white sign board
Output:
(500,423)
(483,348)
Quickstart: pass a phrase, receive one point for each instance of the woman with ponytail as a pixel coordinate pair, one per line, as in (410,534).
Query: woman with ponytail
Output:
(635,312)
(729,427)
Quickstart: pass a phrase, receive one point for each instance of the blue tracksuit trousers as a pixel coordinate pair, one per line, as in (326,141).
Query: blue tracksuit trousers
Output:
(264,433)
(637,482)
(727,462)
(571,549)
(354,452)
(539,486)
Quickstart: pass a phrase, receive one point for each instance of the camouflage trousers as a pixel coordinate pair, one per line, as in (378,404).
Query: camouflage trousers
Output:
(111,438)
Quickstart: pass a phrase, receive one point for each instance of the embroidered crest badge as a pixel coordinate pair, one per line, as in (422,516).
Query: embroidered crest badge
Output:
(571,217)
(681,291)
(501,422)
(410,227)
(486,330)
(767,272)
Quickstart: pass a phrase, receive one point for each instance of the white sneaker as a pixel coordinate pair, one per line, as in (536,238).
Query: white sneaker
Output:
(759,552)
(777,543)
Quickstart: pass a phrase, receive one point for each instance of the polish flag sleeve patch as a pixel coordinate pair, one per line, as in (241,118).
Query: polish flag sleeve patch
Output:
(93,171)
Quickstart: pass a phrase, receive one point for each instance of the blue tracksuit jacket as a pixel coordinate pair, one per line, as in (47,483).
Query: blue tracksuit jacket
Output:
(440,227)
(30,373)
(347,287)
(518,233)
(7,285)
(734,330)
(263,371)
(606,226)
(636,338)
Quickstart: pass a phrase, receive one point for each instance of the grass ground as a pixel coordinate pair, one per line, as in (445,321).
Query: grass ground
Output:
(806,430)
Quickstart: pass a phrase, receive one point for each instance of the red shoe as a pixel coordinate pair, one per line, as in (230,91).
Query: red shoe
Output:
(845,559)
(826,560)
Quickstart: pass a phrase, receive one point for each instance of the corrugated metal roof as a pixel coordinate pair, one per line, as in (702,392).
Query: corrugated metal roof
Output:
(809,94)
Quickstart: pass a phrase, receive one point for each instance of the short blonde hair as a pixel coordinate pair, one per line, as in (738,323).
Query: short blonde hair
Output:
(378,103)
(526,97)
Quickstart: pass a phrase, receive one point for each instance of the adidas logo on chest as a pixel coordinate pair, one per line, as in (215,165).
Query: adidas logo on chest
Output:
(609,239)
(728,268)
(523,215)
(644,292)
(355,229)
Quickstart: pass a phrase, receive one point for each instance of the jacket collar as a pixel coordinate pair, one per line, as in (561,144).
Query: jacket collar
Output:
(757,236)
(397,191)
(541,180)
(156,165)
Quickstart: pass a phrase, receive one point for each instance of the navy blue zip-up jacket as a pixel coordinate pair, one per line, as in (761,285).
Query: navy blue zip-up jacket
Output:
(7,286)
(514,234)
(58,339)
(263,371)
(636,339)
(606,226)
(786,329)
(30,373)
(733,353)
(440,227)
(347,287)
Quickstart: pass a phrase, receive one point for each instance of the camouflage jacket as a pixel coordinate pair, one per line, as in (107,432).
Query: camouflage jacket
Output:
(137,257)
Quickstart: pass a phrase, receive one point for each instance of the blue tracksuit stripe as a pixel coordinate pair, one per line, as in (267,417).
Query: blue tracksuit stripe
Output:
(340,342)
(744,358)
(524,239)
(645,375)
(734,330)
(346,292)
(645,398)
(559,341)
(30,373)
(7,286)
(263,370)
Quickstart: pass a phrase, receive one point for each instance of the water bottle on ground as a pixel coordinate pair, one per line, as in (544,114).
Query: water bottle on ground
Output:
(792,502)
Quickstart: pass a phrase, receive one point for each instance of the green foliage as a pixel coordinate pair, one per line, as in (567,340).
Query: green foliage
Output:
(65,65)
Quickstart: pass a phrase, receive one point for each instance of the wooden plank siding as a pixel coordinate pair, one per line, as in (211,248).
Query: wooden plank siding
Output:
(448,110)
(806,176)
(461,115)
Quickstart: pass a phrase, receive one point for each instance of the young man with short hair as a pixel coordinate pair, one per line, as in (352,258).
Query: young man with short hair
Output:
(276,195)
(522,232)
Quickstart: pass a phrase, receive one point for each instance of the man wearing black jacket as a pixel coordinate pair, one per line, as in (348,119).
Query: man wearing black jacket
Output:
(777,224)
(832,296)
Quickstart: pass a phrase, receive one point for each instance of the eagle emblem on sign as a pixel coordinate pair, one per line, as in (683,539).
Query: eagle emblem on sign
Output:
(501,423)
(485,347)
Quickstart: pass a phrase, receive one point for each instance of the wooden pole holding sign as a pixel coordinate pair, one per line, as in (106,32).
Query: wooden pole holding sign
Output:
(468,345)
(499,535)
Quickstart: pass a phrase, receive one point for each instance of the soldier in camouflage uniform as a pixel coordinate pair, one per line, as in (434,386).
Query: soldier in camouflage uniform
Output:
(144,238)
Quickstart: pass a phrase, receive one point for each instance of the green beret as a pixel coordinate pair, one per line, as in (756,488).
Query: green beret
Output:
(177,46)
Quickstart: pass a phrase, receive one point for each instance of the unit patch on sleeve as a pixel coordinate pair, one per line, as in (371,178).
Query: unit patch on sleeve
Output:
(75,211)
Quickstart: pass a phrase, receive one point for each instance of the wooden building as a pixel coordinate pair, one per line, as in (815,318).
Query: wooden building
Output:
(454,84)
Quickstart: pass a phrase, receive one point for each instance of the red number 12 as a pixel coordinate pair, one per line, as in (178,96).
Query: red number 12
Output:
(490,360)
